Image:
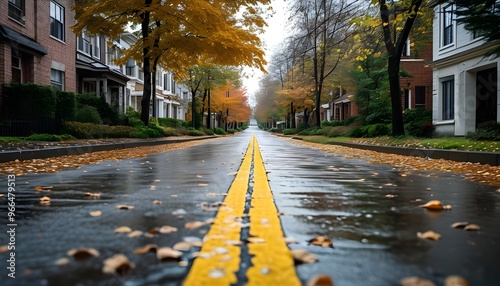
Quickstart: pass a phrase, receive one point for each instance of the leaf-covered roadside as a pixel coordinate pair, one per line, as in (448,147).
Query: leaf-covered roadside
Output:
(56,164)
(485,174)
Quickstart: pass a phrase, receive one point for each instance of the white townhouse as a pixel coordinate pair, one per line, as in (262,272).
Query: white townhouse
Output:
(465,81)
(171,98)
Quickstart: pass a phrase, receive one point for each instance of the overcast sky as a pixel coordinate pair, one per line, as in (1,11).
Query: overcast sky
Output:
(272,38)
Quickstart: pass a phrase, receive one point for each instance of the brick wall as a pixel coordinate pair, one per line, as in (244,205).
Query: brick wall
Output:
(421,75)
(37,26)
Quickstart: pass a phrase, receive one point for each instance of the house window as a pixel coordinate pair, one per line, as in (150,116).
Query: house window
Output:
(448,98)
(16,67)
(84,43)
(420,96)
(57,79)
(130,67)
(448,22)
(56,20)
(166,82)
(89,45)
(96,47)
(406,49)
(406,99)
(114,54)
(16,10)
(158,78)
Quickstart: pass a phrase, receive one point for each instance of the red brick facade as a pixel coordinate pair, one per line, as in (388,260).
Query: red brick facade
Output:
(36,67)
(419,84)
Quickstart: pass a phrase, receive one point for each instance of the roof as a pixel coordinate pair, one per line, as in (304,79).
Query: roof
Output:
(27,42)
(96,66)
(344,98)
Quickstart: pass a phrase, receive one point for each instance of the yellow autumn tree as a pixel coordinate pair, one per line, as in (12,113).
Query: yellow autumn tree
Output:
(231,105)
(179,34)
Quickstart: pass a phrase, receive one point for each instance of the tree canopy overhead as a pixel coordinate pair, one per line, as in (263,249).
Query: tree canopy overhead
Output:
(179,34)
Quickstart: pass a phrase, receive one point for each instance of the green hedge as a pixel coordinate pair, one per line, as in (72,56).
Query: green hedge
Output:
(49,137)
(373,130)
(109,115)
(219,131)
(29,100)
(171,122)
(88,114)
(93,131)
(66,105)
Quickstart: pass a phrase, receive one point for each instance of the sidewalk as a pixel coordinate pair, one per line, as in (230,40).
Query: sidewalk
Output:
(40,150)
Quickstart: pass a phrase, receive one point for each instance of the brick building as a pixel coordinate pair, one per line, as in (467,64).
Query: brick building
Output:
(416,86)
(36,45)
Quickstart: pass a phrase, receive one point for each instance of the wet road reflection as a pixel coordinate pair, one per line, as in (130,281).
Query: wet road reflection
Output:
(374,237)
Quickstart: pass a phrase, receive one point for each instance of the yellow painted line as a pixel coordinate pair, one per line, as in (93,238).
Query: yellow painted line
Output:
(219,259)
(272,261)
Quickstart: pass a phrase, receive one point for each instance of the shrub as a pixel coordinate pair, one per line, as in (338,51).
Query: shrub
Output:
(337,131)
(155,131)
(66,108)
(109,115)
(49,137)
(383,116)
(232,131)
(169,131)
(171,122)
(486,131)
(132,113)
(219,131)
(89,130)
(208,131)
(290,131)
(418,122)
(350,120)
(194,132)
(332,123)
(29,100)
(88,114)
(274,130)
(372,130)
(135,122)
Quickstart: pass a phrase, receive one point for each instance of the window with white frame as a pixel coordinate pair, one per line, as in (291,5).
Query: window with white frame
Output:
(90,45)
(406,49)
(448,23)
(57,20)
(57,79)
(448,98)
(96,47)
(113,54)
(16,10)
(130,68)
(166,81)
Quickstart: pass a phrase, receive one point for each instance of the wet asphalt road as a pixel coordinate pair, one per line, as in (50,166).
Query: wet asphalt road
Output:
(374,237)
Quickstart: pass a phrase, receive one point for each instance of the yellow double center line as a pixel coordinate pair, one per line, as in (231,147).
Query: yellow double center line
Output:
(219,259)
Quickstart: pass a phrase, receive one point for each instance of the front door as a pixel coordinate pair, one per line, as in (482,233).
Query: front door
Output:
(486,96)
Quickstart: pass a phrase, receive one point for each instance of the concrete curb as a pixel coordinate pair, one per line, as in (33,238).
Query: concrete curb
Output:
(490,158)
(43,153)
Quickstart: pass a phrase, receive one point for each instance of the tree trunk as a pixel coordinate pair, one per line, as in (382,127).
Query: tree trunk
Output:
(397,110)
(306,119)
(153,88)
(292,111)
(193,111)
(209,113)
(146,94)
(205,94)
